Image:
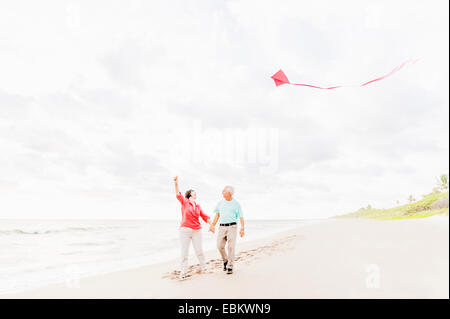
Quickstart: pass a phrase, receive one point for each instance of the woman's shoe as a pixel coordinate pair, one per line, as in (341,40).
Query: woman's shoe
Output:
(229,271)
(225,266)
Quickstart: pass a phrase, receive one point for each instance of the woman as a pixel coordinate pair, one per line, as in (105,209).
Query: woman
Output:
(190,228)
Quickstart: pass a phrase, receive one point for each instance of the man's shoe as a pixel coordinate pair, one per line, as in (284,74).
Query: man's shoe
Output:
(225,265)
(229,271)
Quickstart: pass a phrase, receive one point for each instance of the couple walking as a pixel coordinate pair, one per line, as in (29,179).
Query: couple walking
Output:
(227,213)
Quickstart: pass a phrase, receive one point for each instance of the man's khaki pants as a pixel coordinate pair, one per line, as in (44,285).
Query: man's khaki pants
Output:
(227,234)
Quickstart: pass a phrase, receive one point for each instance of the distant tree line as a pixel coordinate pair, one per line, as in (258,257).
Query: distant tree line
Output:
(441,187)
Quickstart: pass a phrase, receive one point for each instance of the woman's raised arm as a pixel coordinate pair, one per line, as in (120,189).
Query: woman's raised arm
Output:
(175,179)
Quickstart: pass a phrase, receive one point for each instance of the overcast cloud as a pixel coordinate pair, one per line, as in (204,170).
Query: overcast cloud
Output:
(103,102)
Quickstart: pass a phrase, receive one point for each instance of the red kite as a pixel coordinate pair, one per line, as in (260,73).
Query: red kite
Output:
(280,78)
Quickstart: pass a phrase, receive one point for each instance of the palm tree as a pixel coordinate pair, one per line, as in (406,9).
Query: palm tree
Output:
(442,182)
(411,199)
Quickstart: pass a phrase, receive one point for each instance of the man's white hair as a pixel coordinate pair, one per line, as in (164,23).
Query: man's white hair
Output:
(230,189)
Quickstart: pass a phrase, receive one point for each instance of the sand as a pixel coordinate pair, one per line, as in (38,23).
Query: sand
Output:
(336,258)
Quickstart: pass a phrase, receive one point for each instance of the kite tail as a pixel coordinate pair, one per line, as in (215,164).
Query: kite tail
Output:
(398,68)
(317,87)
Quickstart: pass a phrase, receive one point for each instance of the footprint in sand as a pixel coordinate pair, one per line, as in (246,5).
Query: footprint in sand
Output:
(247,257)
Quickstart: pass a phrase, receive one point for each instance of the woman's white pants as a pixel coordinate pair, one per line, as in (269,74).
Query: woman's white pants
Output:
(186,236)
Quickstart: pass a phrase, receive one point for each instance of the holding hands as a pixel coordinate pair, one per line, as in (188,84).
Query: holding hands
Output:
(211,226)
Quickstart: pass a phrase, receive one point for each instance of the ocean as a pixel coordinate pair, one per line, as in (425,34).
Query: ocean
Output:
(35,253)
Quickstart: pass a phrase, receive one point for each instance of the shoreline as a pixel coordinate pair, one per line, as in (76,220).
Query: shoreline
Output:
(172,261)
(102,267)
(335,258)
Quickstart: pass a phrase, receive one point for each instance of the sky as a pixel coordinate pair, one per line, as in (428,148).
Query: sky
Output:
(102,103)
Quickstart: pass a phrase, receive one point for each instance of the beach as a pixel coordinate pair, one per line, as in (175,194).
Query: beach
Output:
(335,258)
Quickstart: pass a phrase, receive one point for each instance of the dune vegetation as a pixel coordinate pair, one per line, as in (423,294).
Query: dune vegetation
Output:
(419,209)
(435,203)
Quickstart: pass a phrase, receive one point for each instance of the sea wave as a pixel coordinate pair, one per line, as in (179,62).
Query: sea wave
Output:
(53,231)
(86,248)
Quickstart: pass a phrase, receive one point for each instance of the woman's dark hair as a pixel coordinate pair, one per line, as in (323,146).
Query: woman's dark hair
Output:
(188,193)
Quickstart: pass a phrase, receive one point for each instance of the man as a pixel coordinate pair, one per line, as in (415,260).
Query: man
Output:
(227,212)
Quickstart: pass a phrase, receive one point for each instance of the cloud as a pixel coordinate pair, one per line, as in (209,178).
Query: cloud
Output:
(13,106)
(91,113)
(128,61)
